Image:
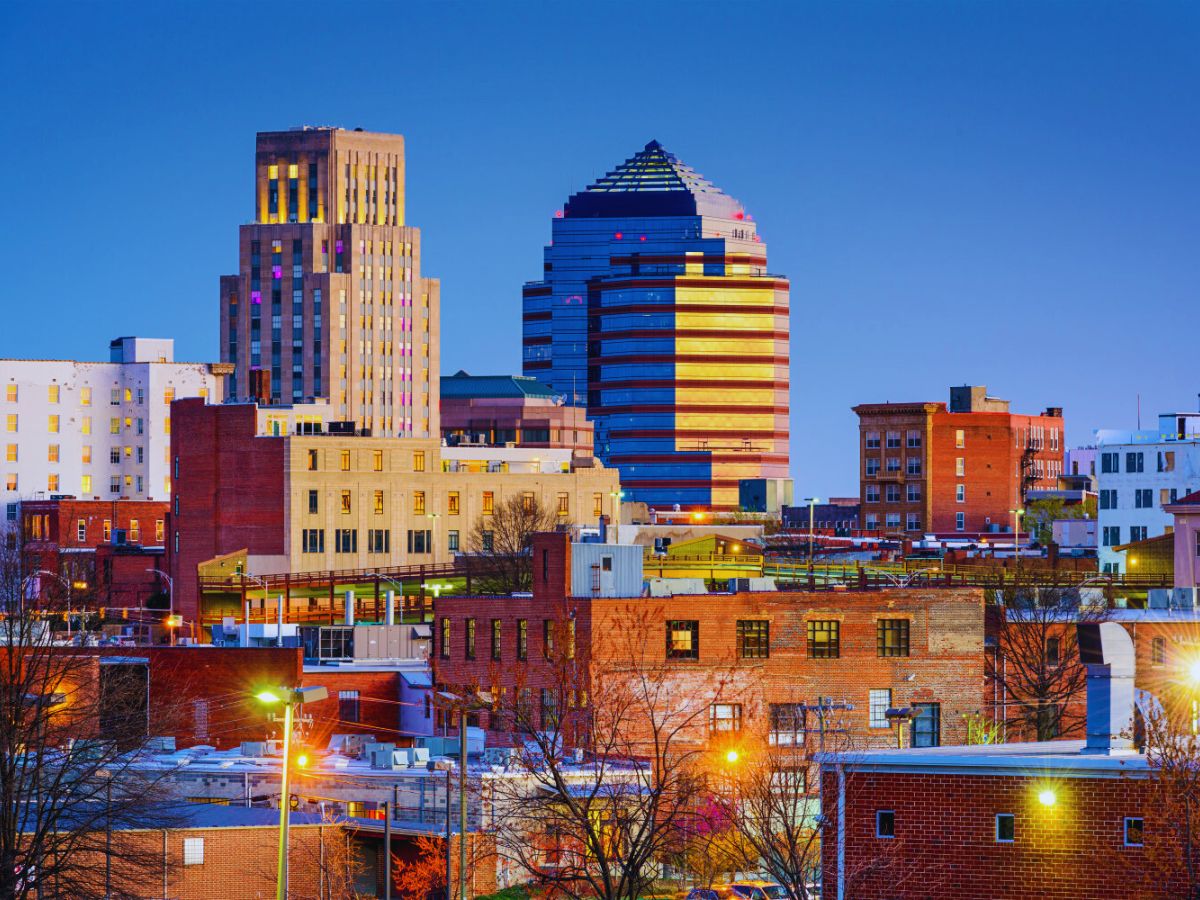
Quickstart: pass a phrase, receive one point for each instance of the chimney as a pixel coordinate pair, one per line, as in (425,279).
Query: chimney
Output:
(1107,651)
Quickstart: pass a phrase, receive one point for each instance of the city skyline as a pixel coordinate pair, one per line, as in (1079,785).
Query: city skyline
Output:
(948,190)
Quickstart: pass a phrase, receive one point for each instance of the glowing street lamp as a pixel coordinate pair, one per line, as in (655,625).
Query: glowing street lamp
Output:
(731,757)
(1047,797)
(290,698)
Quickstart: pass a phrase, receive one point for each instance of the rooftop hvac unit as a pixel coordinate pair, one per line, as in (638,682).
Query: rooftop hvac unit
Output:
(254,748)
(379,755)
(1183,598)
(350,744)
(420,756)
(1158,598)
(501,756)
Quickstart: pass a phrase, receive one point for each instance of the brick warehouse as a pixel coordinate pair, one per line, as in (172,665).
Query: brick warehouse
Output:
(1057,819)
(929,468)
(873,650)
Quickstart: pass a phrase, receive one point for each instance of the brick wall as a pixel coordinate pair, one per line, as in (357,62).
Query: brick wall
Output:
(945,847)
(378,706)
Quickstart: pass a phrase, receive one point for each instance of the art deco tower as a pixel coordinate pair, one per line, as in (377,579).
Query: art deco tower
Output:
(329,300)
(656,310)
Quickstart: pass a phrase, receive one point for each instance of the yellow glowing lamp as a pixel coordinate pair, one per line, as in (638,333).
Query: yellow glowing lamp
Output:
(1047,798)
(79,585)
(1194,671)
(302,760)
(267,697)
(731,756)
(174,621)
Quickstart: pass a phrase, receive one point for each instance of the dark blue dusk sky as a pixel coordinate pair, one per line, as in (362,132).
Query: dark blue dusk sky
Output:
(987,192)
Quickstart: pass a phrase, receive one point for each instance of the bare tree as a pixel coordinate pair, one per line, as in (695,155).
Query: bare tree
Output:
(612,762)
(424,875)
(504,539)
(70,741)
(1039,680)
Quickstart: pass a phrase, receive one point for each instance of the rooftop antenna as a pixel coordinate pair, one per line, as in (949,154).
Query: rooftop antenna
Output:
(1139,410)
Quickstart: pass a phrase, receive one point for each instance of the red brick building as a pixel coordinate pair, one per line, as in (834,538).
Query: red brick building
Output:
(954,470)
(102,547)
(510,409)
(774,655)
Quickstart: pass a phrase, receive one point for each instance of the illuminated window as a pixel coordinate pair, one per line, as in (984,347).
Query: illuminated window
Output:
(52,424)
(114,426)
(86,484)
(379,502)
(11,423)
(86,425)
(81,531)
(52,482)
(377,459)
(10,393)
(166,425)
(891,637)
(168,395)
(452,503)
(52,453)
(312,460)
(419,503)
(52,393)
(725,717)
(753,638)
(346,504)
(960,438)
(128,395)
(960,466)
(683,639)
(10,453)
(85,396)
(159,531)
(10,482)
(135,531)
(597,504)
(564,503)
(527,501)
(345,456)
(106,530)
(419,461)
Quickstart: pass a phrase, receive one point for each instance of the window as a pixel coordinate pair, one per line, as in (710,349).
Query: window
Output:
(960,466)
(496,632)
(786,724)
(135,531)
(85,396)
(914,492)
(1006,828)
(418,460)
(1166,460)
(52,393)
(683,639)
(878,703)
(378,503)
(824,639)
(1111,536)
(418,503)
(1053,653)
(754,638)
(452,506)
(193,851)
(81,531)
(597,504)
(444,644)
(891,637)
(1108,498)
(892,464)
(547,638)
(960,493)
(893,440)
(960,521)
(1110,463)
(1138,532)
(914,440)
(312,540)
(564,503)
(489,503)
(1134,832)
(379,540)
(1158,651)
(522,639)
(312,460)
(452,541)
(106,530)
(960,439)
(10,453)
(724,717)
(345,460)
(926,724)
(313,501)
(348,706)
(885,823)
(159,530)
(487,541)
(912,522)
(377,460)
(420,541)
(871,521)
(10,393)
(892,494)
(345,540)
(913,465)
(872,466)
(872,440)
(871,494)
(346,502)
(527,501)
(469,643)
(1143,498)
(85,484)
(52,424)
(1135,461)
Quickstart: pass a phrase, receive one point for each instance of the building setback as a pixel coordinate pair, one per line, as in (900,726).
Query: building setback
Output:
(928,468)
(95,430)
(329,301)
(318,501)
(657,311)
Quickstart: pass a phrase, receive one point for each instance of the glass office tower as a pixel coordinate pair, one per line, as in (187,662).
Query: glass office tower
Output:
(657,312)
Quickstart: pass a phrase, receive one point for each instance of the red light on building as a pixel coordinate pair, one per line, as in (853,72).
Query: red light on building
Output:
(739,215)
(642,238)
(618,235)
(558,214)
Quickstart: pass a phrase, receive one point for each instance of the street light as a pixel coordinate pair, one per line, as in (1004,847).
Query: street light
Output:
(1047,797)
(1016,514)
(731,757)
(812,503)
(170,600)
(290,698)
(616,514)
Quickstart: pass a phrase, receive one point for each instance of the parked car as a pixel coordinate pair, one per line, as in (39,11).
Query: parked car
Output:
(758,890)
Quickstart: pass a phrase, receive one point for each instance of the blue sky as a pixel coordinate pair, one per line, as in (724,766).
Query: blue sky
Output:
(986,192)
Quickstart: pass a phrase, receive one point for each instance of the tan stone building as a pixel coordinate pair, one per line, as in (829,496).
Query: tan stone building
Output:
(329,301)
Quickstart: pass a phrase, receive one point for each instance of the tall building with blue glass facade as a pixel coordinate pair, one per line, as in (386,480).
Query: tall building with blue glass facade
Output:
(656,310)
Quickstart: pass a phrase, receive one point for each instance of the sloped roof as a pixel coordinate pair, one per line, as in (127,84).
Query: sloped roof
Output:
(652,182)
(467,386)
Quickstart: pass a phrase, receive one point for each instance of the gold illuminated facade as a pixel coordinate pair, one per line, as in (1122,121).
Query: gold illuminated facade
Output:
(657,310)
(329,302)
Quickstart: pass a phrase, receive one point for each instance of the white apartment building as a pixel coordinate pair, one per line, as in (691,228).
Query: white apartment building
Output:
(95,430)
(1137,473)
